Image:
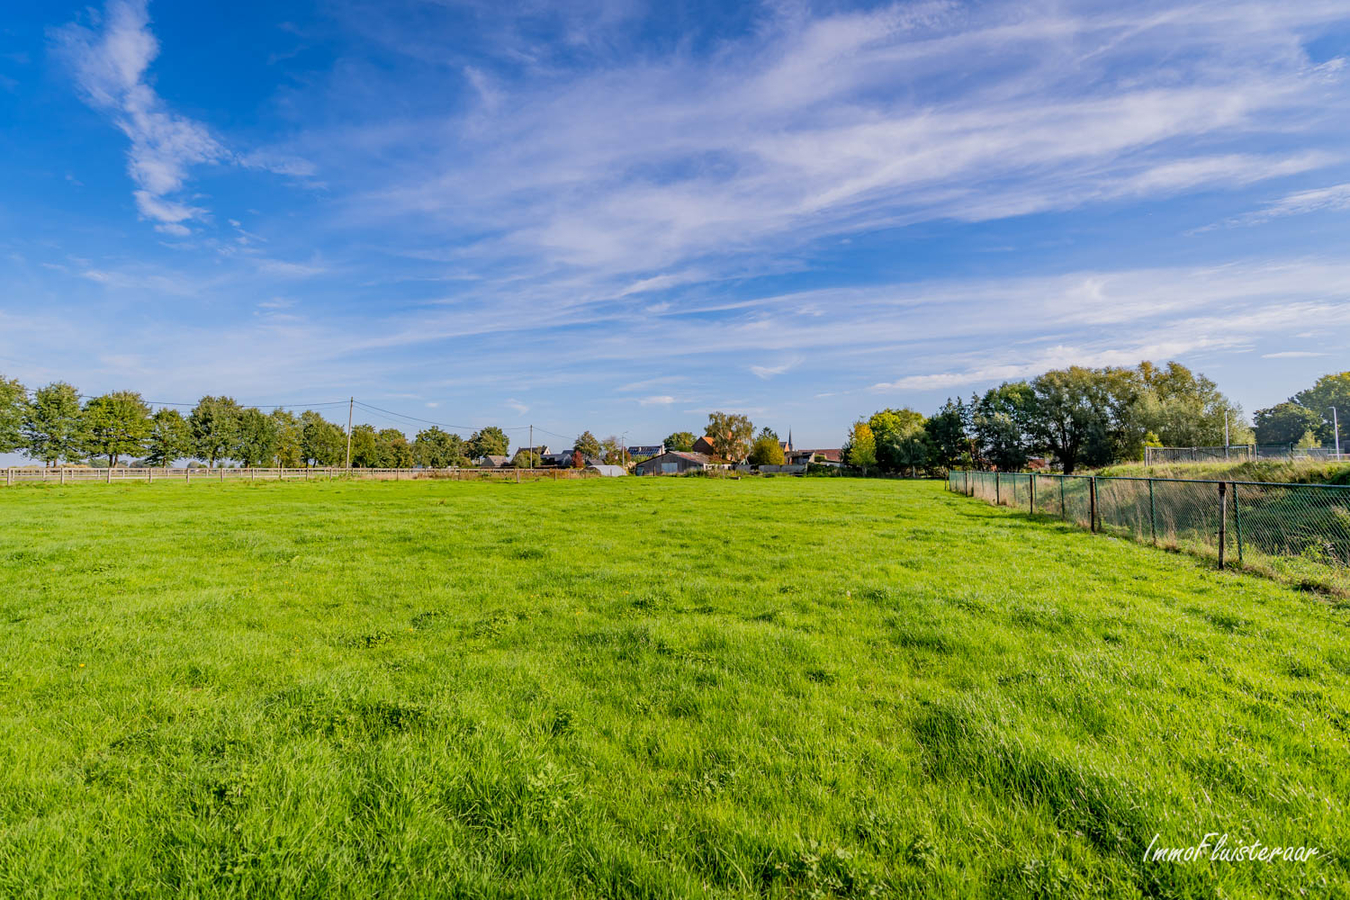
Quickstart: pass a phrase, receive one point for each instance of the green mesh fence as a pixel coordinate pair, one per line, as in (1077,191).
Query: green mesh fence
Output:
(1297,531)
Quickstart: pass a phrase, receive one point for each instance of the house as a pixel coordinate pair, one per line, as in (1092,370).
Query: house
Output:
(556,460)
(704,445)
(831,457)
(541,450)
(492,461)
(673,463)
(607,471)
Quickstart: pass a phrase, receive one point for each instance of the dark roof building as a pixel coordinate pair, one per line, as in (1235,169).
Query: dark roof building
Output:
(672,463)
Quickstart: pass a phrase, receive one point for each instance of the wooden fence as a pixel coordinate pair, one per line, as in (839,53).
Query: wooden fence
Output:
(118,475)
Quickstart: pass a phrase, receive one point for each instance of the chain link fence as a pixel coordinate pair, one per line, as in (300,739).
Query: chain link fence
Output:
(1298,532)
(1238,453)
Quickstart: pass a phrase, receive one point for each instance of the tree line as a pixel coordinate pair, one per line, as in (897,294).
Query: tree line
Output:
(1075,417)
(55,425)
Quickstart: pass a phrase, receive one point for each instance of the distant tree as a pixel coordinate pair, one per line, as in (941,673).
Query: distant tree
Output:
(437,449)
(1183,408)
(13,402)
(1328,391)
(588,444)
(321,442)
(612,451)
(767,432)
(578,460)
(394,450)
(766,451)
(490,441)
(1000,420)
(860,450)
(680,440)
(899,438)
(255,438)
(169,440)
(290,438)
(1287,423)
(365,448)
(115,424)
(214,422)
(52,430)
(1071,416)
(731,434)
(949,435)
(526,458)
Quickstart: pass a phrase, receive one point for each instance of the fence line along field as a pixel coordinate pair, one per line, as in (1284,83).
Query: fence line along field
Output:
(644,688)
(61,475)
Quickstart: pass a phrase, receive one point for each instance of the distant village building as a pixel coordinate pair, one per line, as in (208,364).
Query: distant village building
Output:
(607,471)
(704,445)
(673,462)
(492,461)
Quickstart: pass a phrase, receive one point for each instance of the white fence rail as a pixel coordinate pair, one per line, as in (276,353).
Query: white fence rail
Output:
(83,474)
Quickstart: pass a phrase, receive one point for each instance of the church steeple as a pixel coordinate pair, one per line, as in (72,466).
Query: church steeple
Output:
(789,446)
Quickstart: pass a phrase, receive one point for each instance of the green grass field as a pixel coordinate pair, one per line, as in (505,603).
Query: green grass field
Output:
(655,688)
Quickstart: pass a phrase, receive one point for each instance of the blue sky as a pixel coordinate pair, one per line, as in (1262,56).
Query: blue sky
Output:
(618,216)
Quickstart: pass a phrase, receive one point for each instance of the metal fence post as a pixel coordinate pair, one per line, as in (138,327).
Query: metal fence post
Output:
(1063,510)
(998,490)
(1237,520)
(1223,520)
(1031,494)
(1152,514)
(1092,502)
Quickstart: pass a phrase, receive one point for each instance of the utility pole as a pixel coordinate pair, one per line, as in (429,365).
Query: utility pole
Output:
(530,455)
(350,403)
(1225,434)
(1336,432)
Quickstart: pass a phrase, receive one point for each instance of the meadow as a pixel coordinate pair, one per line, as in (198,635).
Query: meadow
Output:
(645,688)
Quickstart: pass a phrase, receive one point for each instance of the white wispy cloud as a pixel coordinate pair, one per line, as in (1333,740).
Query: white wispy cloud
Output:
(1333,197)
(110,61)
(110,66)
(799,131)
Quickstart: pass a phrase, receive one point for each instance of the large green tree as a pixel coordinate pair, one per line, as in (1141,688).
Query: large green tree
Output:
(1182,408)
(901,443)
(1329,391)
(214,423)
(13,402)
(1000,425)
(395,451)
(1287,423)
(366,448)
(490,441)
(1072,416)
(438,449)
(52,429)
(730,434)
(680,440)
(290,438)
(115,424)
(255,438)
(949,435)
(766,451)
(170,438)
(321,442)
